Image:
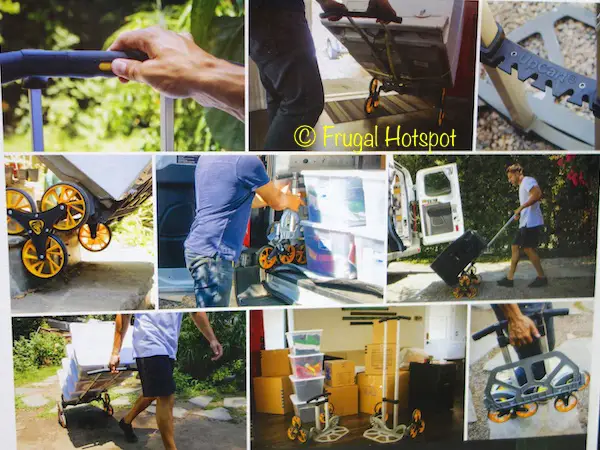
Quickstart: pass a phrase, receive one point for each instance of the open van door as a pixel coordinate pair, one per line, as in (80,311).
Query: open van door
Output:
(401,196)
(440,207)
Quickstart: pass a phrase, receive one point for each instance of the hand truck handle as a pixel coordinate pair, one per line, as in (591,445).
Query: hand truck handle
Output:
(67,64)
(319,399)
(502,325)
(385,319)
(489,244)
(118,369)
(362,15)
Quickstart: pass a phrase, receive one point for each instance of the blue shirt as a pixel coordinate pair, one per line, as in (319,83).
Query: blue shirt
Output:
(225,188)
(156,334)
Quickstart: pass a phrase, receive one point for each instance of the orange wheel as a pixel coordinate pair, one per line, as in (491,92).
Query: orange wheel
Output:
(378,409)
(422,427)
(322,418)
(302,436)
(54,262)
(465,280)
(290,255)
(369,105)
(472,292)
(529,410)
(75,200)
(292,433)
(414,432)
(301,254)
(296,422)
(586,377)
(561,406)
(416,415)
(376,101)
(457,292)
(476,279)
(497,417)
(97,244)
(263,257)
(21,201)
(373,85)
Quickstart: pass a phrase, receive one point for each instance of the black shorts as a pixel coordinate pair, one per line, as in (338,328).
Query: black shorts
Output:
(527,237)
(156,375)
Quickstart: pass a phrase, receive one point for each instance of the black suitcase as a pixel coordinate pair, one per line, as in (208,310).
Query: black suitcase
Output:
(457,256)
(461,253)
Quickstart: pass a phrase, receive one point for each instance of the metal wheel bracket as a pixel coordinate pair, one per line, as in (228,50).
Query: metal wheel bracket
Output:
(39,225)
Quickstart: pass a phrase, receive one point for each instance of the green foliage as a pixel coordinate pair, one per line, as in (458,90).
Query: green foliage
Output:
(194,355)
(137,229)
(41,349)
(570,208)
(8,7)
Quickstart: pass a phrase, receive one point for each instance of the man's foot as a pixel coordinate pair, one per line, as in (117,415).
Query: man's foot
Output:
(505,282)
(128,430)
(539,282)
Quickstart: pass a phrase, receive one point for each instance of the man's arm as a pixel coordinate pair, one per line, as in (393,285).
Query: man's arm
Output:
(279,199)
(258,202)
(178,68)
(521,329)
(203,325)
(121,326)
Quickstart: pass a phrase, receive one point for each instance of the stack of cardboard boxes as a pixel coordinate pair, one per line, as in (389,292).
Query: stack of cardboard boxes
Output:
(370,383)
(340,382)
(273,388)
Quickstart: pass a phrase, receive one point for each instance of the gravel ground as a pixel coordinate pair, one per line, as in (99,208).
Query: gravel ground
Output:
(573,326)
(577,41)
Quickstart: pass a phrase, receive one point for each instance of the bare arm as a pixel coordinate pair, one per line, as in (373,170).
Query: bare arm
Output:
(521,329)
(258,202)
(202,323)
(121,326)
(535,195)
(278,199)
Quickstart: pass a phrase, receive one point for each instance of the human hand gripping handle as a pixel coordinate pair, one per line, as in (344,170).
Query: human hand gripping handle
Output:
(114,362)
(217,349)
(178,68)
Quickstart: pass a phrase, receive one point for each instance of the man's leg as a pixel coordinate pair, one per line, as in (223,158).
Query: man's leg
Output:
(212,280)
(164,420)
(536,261)
(140,405)
(514,261)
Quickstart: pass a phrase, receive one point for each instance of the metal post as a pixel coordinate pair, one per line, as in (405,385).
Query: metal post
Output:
(384,387)
(326,414)
(167,124)
(397,375)
(36,118)
(511,90)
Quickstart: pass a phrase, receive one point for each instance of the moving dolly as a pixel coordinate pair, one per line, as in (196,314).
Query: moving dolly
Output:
(456,264)
(379,431)
(513,390)
(283,246)
(326,429)
(36,67)
(388,59)
(92,394)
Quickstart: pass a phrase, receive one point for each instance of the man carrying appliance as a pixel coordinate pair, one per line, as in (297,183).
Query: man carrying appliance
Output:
(227,188)
(155,338)
(531,224)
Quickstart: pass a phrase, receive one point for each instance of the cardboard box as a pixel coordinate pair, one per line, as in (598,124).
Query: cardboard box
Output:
(275,363)
(344,400)
(339,373)
(272,395)
(370,390)
(374,358)
(358,356)
(378,332)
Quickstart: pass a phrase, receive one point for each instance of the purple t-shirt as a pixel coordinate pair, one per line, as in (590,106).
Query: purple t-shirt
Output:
(225,188)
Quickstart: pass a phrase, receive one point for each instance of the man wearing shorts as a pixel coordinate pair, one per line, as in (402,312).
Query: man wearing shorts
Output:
(227,188)
(531,224)
(155,338)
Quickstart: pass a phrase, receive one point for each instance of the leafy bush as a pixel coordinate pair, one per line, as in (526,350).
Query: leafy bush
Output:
(570,207)
(137,229)
(41,349)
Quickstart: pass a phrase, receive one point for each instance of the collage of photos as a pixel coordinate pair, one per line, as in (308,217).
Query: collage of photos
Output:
(282,224)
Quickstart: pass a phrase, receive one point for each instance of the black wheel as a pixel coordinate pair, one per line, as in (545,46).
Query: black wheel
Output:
(56,260)
(19,200)
(76,200)
(62,419)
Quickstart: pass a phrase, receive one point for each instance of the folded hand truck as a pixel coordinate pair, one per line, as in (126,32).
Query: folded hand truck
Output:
(379,431)
(284,236)
(326,429)
(513,390)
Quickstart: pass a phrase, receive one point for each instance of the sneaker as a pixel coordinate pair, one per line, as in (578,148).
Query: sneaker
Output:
(539,282)
(505,282)
(128,430)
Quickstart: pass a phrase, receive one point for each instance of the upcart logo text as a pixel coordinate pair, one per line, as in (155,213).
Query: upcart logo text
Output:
(381,138)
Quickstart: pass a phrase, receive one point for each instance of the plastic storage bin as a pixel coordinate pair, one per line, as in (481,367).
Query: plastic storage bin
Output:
(303,410)
(376,197)
(307,366)
(335,197)
(304,342)
(307,388)
(371,257)
(329,251)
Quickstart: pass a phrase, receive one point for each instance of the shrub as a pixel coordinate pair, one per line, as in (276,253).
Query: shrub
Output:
(41,349)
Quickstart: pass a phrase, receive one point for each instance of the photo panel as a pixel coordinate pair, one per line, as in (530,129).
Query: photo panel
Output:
(277,230)
(361,75)
(537,85)
(151,380)
(80,233)
(458,230)
(358,377)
